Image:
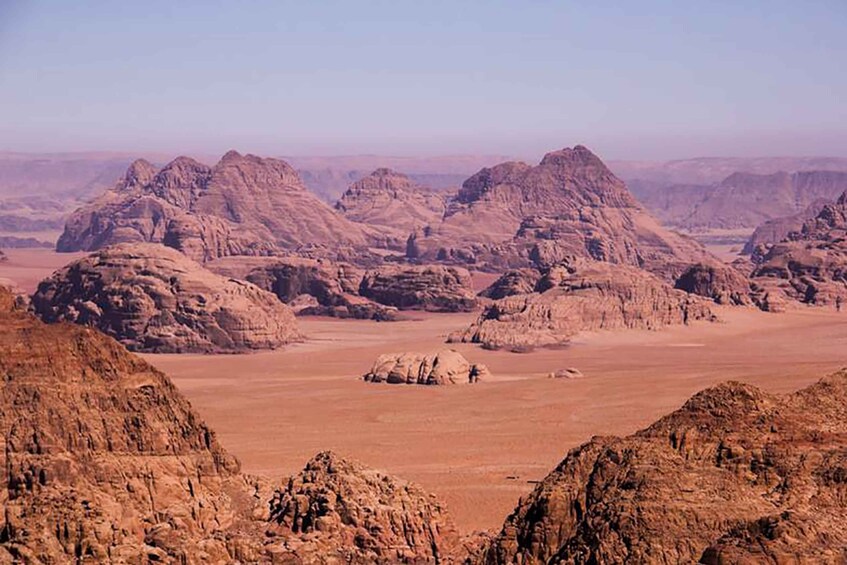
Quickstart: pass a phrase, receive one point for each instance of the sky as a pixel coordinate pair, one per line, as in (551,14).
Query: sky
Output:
(632,80)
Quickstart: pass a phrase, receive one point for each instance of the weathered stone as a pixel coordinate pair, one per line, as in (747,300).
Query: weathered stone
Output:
(152,298)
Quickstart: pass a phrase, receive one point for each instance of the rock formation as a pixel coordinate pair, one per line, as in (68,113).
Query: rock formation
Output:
(310,287)
(734,476)
(778,229)
(434,288)
(723,284)
(3,256)
(152,298)
(244,205)
(103,460)
(582,296)
(390,199)
(445,367)
(341,508)
(810,266)
(743,199)
(515,215)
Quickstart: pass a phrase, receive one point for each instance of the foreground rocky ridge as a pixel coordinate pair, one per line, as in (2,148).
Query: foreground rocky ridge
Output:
(735,476)
(577,296)
(153,298)
(104,461)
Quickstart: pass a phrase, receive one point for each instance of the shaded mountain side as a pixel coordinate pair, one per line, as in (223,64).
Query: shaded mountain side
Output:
(734,476)
(103,460)
(741,200)
(810,265)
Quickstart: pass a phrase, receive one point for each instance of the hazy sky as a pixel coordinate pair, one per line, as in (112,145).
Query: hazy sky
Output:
(645,79)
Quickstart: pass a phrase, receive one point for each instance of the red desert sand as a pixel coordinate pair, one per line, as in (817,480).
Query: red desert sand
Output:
(481,447)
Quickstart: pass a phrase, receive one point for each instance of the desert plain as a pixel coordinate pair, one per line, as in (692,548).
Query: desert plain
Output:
(477,447)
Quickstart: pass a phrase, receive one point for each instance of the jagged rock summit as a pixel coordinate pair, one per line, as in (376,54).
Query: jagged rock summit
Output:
(516,215)
(390,199)
(244,205)
(810,265)
(103,460)
(153,298)
(575,296)
(734,476)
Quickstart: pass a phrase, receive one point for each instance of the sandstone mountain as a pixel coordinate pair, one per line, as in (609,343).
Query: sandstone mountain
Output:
(810,266)
(153,298)
(579,296)
(103,460)
(734,476)
(742,200)
(244,205)
(778,229)
(434,288)
(445,367)
(390,199)
(515,215)
(310,287)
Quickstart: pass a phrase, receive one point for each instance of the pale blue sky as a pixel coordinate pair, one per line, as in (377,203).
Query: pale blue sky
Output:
(646,79)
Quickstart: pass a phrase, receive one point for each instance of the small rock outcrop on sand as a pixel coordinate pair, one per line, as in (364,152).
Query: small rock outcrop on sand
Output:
(582,295)
(569,373)
(152,298)
(444,368)
(310,287)
(244,205)
(515,215)
(810,266)
(340,508)
(104,461)
(390,199)
(722,283)
(435,288)
(734,476)
(3,256)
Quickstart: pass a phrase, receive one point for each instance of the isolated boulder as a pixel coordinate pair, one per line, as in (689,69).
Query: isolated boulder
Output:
(152,298)
(445,367)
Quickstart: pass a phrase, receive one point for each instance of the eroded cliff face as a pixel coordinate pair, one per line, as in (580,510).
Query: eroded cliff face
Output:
(152,298)
(390,199)
(516,215)
(736,475)
(810,265)
(103,460)
(244,205)
(578,295)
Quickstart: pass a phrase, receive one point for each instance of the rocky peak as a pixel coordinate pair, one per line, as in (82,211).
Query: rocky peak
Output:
(580,157)
(181,182)
(478,185)
(138,175)
(257,174)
